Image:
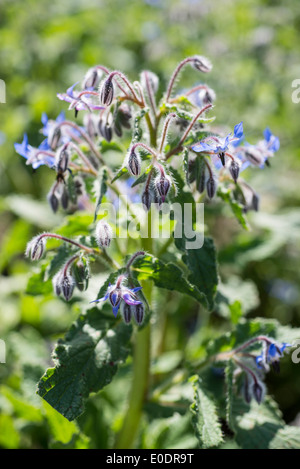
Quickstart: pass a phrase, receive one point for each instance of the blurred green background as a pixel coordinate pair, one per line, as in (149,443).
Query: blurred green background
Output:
(47,46)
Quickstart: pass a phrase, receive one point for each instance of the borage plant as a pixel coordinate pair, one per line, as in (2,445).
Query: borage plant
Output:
(172,161)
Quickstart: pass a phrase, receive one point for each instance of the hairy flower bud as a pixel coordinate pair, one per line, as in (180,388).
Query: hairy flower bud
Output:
(202,64)
(81,274)
(103,234)
(139,312)
(64,198)
(234,169)
(53,201)
(254,156)
(62,159)
(133,162)
(106,92)
(54,137)
(67,286)
(162,185)
(258,392)
(207,96)
(126,313)
(91,79)
(211,187)
(147,199)
(35,248)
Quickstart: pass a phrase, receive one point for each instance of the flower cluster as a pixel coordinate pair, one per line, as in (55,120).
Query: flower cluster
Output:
(168,129)
(254,366)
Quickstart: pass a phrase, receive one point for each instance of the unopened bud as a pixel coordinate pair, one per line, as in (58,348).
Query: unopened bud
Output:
(53,201)
(202,64)
(139,313)
(103,234)
(35,248)
(81,274)
(64,198)
(207,96)
(234,169)
(67,286)
(91,79)
(254,156)
(255,202)
(211,187)
(126,313)
(147,199)
(57,283)
(162,185)
(62,159)
(133,163)
(258,392)
(54,137)
(106,92)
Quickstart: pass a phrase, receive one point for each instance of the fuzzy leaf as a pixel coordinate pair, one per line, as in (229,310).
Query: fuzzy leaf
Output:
(204,417)
(86,360)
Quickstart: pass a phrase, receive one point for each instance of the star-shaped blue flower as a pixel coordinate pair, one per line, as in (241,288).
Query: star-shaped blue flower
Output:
(217,145)
(117,293)
(35,156)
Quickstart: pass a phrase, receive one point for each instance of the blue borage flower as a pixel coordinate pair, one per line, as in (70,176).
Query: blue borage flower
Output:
(118,292)
(35,156)
(216,144)
(271,355)
(80,100)
(259,154)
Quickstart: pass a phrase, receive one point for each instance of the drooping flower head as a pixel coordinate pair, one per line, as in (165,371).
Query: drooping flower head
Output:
(119,293)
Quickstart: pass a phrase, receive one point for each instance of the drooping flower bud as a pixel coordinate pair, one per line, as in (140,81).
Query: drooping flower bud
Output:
(202,64)
(62,158)
(35,248)
(162,185)
(80,270)
(53,201)
(106,92)
(211,186)
(104,234)
(139,312)
(207,96)
(147,199)
(54,137)
(64,198)
(254,156)
(234,169)
(91,79)
(258,392)
(57,283)
(126,312)
(133,162)
(67,286)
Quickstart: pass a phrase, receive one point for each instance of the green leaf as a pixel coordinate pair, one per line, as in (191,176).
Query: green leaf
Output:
(119,173)
(143,177)
(236,297)
(86,360)
(166,275)
(205,418)
(61,429)
(202,264)
(262,427)
(100,189)
(39,284)
(237,209)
